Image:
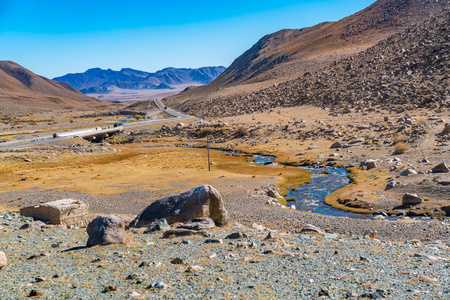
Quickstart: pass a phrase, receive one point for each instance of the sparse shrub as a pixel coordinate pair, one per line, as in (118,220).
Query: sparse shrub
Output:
(422,121)
(398,138)
(242,131)
(401,147)
(204,131)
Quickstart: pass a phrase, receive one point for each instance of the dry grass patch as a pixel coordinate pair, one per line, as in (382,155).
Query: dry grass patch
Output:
(401,148)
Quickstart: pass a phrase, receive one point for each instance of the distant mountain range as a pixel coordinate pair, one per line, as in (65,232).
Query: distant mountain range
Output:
(97,80)
(21,88)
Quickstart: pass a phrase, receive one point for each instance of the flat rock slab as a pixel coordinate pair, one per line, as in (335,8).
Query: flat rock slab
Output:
(59,212)
(198,224)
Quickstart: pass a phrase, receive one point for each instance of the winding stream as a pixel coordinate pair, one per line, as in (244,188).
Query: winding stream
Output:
(310,197)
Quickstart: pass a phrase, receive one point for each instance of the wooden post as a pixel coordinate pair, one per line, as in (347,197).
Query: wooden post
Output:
(207,146)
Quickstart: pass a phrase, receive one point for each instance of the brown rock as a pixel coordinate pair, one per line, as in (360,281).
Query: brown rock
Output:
(182,232)
(446,209)
(371,165)
(60,212)
(202,201)
(198,224)
(441,168)
(411,199)
(3,259)
(105,230)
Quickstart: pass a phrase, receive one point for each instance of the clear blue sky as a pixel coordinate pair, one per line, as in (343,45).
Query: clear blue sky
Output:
(52,38)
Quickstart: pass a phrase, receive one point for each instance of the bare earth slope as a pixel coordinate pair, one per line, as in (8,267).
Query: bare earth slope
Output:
(289,53)
(405,71)
(21,88)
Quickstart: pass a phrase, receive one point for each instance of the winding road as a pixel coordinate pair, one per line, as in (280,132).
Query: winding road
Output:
(81,132)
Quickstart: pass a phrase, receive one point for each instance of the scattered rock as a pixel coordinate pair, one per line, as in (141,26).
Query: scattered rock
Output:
(157,285)
(194,269)
(311,228)
(236,235)
(441,168)
(411,199)
(35,293)
(202,201)
(105,230)
(60,212)
(408,172)
(274,194)
(110,288)
(198,224)
(3,260)
(338,145)
(158,225)
(371,165)
(182,232)
(32,225)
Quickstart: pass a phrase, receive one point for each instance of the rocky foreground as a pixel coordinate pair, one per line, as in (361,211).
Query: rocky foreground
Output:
(234,262)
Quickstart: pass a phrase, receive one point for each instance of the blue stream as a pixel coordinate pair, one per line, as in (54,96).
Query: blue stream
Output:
(310,197)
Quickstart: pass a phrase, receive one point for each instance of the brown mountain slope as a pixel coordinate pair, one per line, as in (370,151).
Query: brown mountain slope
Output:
(22,88)
(403,72)
(287,54)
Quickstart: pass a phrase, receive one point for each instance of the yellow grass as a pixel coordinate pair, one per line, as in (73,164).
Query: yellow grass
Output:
(138,168)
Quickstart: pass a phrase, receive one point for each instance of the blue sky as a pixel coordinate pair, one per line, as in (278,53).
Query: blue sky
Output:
(52,38)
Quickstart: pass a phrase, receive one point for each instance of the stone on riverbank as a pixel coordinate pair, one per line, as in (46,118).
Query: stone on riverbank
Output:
(411,199)
(105,230)
(60,212)
(202,201)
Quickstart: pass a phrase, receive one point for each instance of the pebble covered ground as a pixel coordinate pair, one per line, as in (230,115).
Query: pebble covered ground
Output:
(54,264)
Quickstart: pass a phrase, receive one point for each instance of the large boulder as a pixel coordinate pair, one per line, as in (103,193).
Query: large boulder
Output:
(202,201)
(441,168)
(411,199)
(3,260)
(60,212)
(105,230)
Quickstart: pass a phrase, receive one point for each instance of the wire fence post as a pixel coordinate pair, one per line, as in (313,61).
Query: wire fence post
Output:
(207,146)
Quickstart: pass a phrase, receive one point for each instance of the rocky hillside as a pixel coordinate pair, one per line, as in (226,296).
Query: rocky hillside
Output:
(22,88)
(101,81)
(405,71)
(287,54)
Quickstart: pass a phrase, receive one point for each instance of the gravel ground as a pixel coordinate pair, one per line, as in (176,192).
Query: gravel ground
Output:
(300,266)
(246,204)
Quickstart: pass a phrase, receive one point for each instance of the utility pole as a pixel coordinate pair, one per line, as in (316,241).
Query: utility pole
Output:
(207,146)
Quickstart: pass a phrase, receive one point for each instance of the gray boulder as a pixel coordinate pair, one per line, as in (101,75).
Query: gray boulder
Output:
(202,201)
(105,230)
(411,199)
(441,168)
(408,172)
